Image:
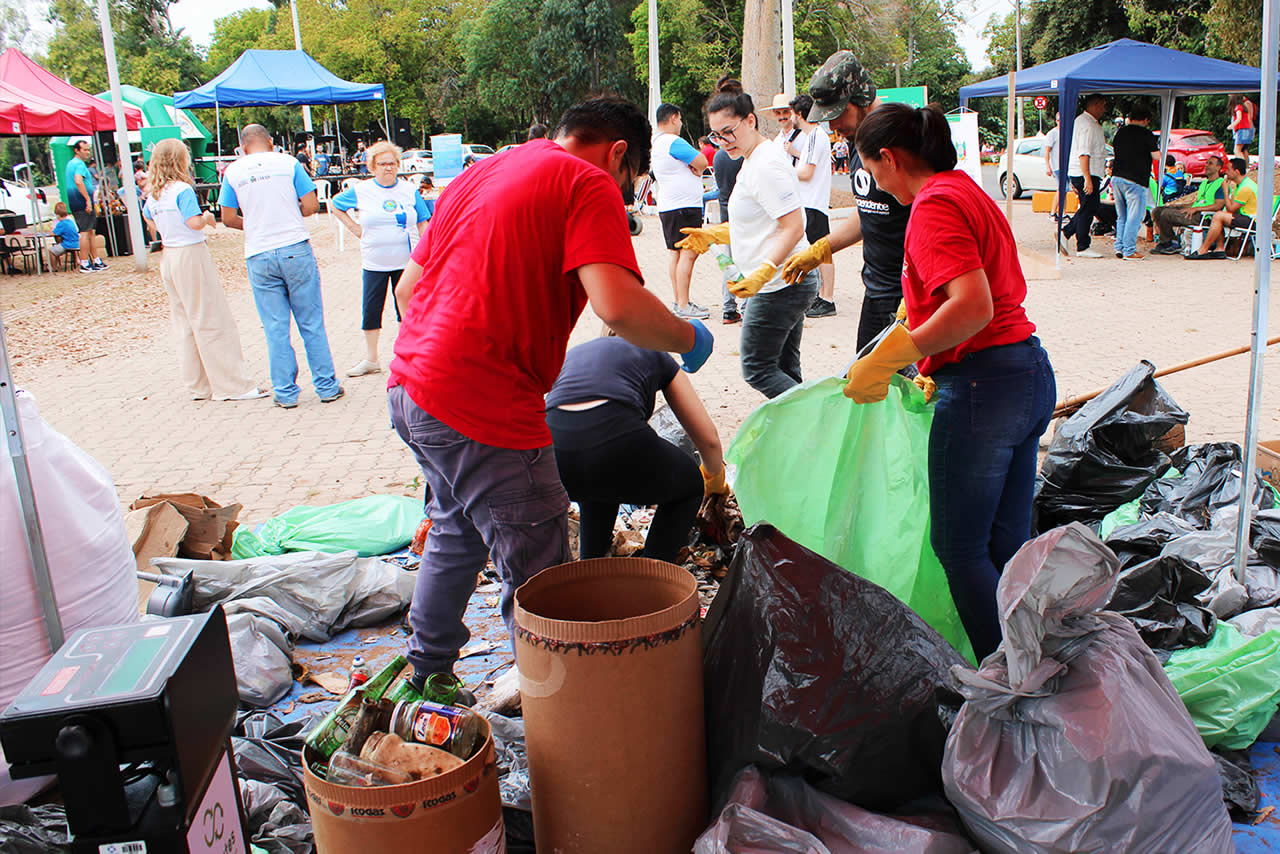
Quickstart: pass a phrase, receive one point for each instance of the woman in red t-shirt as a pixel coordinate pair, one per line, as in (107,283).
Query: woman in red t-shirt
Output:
(963,288)
(1241,124)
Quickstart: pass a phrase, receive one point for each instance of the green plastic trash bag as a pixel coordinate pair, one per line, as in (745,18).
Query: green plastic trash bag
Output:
(851,483)
(374,525)
(1231,685)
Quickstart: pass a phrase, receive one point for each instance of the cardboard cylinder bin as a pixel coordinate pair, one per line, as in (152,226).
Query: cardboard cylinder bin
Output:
(459,812)
(610,659)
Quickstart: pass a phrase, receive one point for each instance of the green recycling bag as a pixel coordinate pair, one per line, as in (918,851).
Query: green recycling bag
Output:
(374,525)
(851,483)
(1231,685)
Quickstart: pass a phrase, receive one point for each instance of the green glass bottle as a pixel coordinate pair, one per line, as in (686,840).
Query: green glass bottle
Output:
(333,729)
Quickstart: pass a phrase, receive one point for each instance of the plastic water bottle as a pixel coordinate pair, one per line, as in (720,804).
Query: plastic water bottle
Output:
(725,260)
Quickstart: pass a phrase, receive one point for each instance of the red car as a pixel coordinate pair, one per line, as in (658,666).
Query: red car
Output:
(1193,147)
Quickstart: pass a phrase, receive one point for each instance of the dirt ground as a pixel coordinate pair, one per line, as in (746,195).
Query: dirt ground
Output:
(96,351)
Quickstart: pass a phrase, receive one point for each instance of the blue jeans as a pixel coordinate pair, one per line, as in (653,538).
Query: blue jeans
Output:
(485,501)
(1131,207)
(991,409)
(771,329)
(285,281)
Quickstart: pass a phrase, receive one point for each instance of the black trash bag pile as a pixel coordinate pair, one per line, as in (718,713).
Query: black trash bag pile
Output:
(269,763)
(33,830)
(1106,454)
(784,814)
(513,780)
(1239,788)
(813,671)
(1265,537)
(1177,561)
(1071,737)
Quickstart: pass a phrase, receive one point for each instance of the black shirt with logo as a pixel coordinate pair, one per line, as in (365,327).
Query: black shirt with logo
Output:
(884,231)
(1133,146)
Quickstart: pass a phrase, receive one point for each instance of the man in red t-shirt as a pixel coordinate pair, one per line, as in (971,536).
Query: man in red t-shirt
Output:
(518,245)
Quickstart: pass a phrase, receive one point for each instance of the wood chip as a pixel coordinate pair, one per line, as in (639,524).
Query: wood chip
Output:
(334,683)
(1264,815)
(483,648)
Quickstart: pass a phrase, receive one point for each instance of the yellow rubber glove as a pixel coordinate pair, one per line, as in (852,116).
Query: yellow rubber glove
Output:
(700,239)
(751,285)
(805,260)
(926,385)
(902,310)
(869,376)
(714,484)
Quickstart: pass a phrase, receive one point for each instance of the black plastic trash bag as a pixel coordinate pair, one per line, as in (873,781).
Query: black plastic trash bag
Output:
(1264,536)
(814,671)
(1106,454)
(1071,738)
(1239,789)
(785,814)
(1159,597)
(33,830)
(1209,481)
(270,751)
(1147,538)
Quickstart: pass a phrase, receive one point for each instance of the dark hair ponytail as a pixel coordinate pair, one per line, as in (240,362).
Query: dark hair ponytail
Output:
(729,96)
(922,131)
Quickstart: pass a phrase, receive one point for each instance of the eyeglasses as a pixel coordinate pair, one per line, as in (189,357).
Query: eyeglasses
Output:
(728,134)
(391,163)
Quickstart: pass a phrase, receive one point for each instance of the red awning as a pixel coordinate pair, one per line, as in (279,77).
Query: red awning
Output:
(35,102)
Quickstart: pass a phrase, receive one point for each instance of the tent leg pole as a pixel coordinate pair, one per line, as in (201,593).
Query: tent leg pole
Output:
(102,172)
(217,120)
(1262,273)
(1008,196)
(386,120)
(27,500)
(35,210)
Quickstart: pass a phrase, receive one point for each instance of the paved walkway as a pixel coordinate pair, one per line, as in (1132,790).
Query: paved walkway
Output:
(96,351)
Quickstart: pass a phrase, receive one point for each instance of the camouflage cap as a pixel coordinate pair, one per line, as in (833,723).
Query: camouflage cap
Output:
(840,81)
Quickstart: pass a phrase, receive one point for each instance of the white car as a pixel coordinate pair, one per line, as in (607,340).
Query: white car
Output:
(1028,168)
(476,150)
(15,197)
(417,160)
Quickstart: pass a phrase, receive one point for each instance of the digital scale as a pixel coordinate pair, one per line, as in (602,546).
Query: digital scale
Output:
(135,721)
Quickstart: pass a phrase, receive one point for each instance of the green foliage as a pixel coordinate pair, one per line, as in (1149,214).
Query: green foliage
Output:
(696,45)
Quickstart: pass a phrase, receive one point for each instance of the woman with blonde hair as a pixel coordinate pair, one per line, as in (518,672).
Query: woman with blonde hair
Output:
(393,215)
(209,354)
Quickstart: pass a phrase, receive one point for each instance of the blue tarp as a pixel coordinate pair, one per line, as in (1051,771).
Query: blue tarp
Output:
(271,78)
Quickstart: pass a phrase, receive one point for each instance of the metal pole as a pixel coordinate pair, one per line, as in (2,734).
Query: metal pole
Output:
(1262,269)
(136,238)
(788,49)
(1017,37)
(297,43)
(217,120)
(110,236)
(35,210)
(27,500)
(1008,177)
(655,80)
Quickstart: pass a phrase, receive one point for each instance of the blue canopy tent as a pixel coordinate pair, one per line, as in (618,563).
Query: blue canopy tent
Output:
(274,78)
(1128,66)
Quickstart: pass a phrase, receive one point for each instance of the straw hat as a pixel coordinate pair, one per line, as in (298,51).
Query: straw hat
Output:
(781,101)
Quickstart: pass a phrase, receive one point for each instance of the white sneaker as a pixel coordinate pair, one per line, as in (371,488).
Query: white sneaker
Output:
(692,310)
(1088,253)
(363,367)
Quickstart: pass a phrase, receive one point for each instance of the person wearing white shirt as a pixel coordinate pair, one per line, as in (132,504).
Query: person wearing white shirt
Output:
(1051,161)
(266,194)
(209,355)
(678,167)
(1085,167)
(812,153)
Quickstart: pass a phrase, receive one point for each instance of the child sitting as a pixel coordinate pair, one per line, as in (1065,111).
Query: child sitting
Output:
(65,236)
(1174,183)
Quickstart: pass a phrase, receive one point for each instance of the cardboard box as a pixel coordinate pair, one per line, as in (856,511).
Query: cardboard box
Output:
(209,525)
(1042,201)
(459,811)
(610,658)
(1269,462)
(154,531)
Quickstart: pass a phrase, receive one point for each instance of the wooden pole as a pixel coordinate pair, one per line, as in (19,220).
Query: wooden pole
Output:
(1073,403)
(1008,152)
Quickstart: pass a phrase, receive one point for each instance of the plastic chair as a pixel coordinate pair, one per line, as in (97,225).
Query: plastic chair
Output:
(322,196)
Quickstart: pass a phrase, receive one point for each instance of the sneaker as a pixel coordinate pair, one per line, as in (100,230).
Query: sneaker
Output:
(821,308)
(337,394)
(1119,254)
(99,264)
(731,317)
(1136,256)
(692,310)
(252,394)
(363,367)
(286,404)
(1170,248)
(86,267)
(1088,253)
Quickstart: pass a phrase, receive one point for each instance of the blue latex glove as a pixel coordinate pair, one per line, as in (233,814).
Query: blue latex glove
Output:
(703,342)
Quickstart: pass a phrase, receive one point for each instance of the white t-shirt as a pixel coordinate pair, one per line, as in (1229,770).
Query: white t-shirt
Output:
(389,218)
(266,187)
(815,148)
(678,187)
(170,212)
(767,189)
(1051,147)
(1087,138)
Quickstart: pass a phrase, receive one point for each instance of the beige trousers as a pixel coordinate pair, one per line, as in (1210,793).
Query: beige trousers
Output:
(209,355)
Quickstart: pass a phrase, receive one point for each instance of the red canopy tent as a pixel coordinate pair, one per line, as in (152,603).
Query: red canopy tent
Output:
(37,90)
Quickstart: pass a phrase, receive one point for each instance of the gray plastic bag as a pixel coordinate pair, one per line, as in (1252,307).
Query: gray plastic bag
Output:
(261,635)
(1071,738)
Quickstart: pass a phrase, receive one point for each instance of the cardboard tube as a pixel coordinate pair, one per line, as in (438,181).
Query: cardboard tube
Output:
(610,659)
